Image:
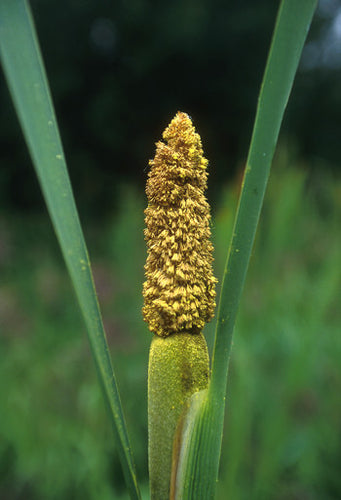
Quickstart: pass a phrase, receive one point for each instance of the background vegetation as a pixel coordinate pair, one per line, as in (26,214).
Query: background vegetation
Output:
(282,430)
(118,73)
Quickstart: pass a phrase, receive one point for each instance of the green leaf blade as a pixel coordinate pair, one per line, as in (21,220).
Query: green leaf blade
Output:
(290,32)
(25,74)
(201,463)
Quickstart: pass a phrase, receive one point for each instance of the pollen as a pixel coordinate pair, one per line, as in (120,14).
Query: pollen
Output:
(179,291)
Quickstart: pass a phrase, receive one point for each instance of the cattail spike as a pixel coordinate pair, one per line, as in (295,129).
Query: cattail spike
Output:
(179,291)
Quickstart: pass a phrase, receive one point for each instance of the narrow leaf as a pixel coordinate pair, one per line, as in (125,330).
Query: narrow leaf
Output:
(25,73)
(201,457)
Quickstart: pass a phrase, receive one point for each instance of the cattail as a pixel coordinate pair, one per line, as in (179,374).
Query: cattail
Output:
(179,291)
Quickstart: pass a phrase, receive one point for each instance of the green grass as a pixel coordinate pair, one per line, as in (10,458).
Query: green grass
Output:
(281,438)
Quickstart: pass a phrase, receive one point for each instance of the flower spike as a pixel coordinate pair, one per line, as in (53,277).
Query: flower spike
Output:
(179,291)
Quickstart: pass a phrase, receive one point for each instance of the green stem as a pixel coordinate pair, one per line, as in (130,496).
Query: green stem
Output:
(178,368)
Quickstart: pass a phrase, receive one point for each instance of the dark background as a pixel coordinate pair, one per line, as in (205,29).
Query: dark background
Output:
(119,71)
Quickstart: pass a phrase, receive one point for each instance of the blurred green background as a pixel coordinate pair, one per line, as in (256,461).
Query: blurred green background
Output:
(118,73)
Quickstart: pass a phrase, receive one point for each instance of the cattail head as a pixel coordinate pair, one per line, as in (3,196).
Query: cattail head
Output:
(179,291)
